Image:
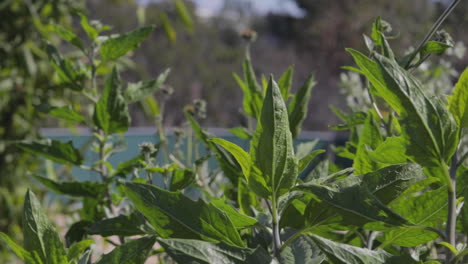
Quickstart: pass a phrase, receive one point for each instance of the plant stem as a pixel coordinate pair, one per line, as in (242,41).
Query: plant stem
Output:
(452,209)
(433,30)
(276,233)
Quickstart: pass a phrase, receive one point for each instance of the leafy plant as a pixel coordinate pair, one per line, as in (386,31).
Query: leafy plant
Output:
(391,206)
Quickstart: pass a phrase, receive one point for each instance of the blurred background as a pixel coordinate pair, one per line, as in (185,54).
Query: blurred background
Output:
(203,48)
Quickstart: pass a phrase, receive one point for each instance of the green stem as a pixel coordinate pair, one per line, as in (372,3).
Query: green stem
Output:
(276,233)
(451,225)
(433,30)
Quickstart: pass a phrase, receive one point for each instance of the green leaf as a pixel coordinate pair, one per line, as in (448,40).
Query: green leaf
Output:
(138,91)
(115,47)
(196,251)
(228,164)
(77,232)
(253,96)
(54,150)
(297,109)
(272,149)
(168,29)
(122,225)
(66,113)
(76,189)
(68,36)
(127,167)
(184,15)
(302,251)
(65,69)
(426,210)
(458,102)
(239,220)
(242,157)
(304,162)
(181,178)
(351,120)
(133,252)
(41,237)
(339,253)
(434,47)
(77,249)
(241,132)
(176,216)
(111,112)
(18,250)
(391,151)
(285,82)
(246,199)
(430,132)
(370,138)
(90,30)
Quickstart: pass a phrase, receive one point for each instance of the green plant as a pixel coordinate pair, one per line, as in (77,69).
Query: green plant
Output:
(391,207)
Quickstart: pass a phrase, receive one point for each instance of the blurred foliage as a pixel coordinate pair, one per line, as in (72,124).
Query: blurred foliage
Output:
(25,81)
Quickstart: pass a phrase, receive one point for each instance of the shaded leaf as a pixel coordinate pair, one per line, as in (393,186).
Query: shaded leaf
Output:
(133,252)
(181,178)
(76,189)
(370,138)
(54,150)
(66,113)
(391,151)
(65,69)
(111,112)
(285,82)
(42,238)
(116,47)
(196,251)
(122,225)
(174,215)
(297,109)
(77,249)
(302,251)
(68,36)
(241,132)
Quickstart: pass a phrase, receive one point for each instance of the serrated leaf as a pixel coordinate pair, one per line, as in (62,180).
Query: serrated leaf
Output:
(75,189)
(196,251)
(426,210)
(252,101)
(133,252)
(77,249)
(351,120)
(391,151)
(271,148)
(65,69)
(339,253)
(111,111)
(370,138)
(54,150)
(430,132)
(176,216)
(239,220)
(285,82)
(19,251)
(42,238)
(302,251)
(138,91)
(297,109)
(116,47)
(458,101)
(127,167)
(122,225)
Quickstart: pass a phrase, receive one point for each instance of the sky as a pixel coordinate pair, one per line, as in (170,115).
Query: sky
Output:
(210,7)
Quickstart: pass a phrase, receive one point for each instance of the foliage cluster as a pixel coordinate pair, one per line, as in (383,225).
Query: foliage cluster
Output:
(402,201)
